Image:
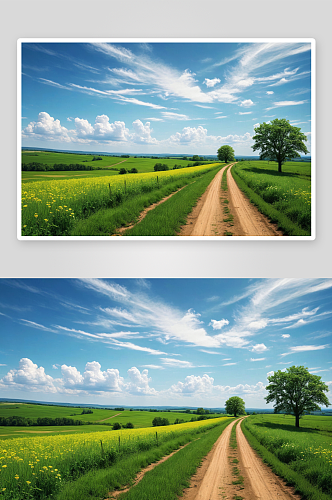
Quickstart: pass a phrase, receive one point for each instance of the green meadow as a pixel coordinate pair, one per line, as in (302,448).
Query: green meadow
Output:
(285,197)
(100,167)
(303,456)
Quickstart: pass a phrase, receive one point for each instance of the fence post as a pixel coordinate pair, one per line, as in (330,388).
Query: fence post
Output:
(125,182)
(119,443)
(157,438)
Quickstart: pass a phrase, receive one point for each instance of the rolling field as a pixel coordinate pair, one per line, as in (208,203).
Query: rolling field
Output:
(140,419)
(37,467)
(50,158)
(52,208)
(284,197)
(305,451)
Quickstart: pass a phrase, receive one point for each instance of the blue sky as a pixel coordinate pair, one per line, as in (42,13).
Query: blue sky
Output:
(193,342)
(161,97)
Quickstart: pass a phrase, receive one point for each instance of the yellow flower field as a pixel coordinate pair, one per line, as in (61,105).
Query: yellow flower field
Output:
(51,207)
(43,462)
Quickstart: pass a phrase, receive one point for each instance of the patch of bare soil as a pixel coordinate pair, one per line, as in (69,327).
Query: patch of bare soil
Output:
(103,420)
(207,217)
(250,222)
(141,474)
(120,231)
(229,473)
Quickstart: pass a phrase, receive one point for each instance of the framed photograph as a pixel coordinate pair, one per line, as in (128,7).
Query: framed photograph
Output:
(210,139)
(117,374)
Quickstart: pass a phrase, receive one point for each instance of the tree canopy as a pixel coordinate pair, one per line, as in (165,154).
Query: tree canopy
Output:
(296,391)
(226,153)
(235,406)
(279,141)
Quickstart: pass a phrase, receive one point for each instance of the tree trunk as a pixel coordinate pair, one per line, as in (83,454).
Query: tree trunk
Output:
(279,166)
(297,420)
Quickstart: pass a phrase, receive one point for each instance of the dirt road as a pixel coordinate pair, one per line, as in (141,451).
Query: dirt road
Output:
(207,217)
(226,213)
(227,473)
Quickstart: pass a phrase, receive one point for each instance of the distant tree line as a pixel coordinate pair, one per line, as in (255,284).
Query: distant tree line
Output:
(14,421)
(42,167)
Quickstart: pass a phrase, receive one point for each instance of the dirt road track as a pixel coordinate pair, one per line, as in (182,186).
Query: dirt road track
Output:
(264,483)
(219,470)
(206,218)
(252,222)
(215,479)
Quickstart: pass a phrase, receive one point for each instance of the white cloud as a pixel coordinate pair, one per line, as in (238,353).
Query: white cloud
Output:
(211,83)
(176,363)
(193,385)
(305,348)
(142,134)
(259,348)
(285,335)
(174,116)
(218,324)
(46,127)
(139,382)
(257,359)
(102,129)
(189,135)
(29,376)
(269,374)
(246,103)
(270,92)
(245,112)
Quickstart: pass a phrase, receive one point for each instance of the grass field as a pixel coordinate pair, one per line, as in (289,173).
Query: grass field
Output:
(50,158)
(284,197)
(52,208)
(140,419)
(37,467)
(305,453)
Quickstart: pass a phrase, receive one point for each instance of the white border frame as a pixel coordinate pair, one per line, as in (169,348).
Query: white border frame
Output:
(312,41)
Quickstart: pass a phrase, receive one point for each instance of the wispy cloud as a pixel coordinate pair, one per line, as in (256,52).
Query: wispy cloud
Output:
(304,348)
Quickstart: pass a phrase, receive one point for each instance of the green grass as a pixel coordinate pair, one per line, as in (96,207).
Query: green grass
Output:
(302,456)
(34,411)
(106,221)
(167,480)
(284,197)
(167,218)
(50,158)
(140,419)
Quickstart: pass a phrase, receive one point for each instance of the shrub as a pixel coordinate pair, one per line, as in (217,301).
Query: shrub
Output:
(116,426)
(157,421)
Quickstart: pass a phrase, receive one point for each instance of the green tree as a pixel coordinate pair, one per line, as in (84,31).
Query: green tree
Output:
(279,141)
(296,391)
(226,153)
(235,406)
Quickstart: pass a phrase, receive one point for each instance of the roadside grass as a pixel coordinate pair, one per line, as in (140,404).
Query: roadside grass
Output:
(105,222)
(167,218)
(284,197)
(226,211)
(302,458)
(98,484)
(167,480)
